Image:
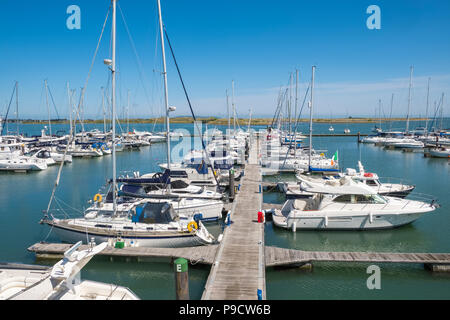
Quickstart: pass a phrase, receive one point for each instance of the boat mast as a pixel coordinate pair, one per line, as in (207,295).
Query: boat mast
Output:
(166,92)
(311,115)
(428,103)
(379,110)
(296,106)
(104,110)
(228,110)
(409,99)
(69,96)
(48,108)
(390,113)
(128,112)
(234,108)
(113,103)
(17,107)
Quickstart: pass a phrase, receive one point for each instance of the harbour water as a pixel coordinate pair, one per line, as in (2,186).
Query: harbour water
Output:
(24,196)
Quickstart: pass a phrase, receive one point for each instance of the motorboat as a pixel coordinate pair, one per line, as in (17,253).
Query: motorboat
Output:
(23,164)
(348,206)
(370,179)
(440,152)
(60,282)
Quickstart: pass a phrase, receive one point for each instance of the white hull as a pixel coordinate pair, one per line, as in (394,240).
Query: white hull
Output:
(22,165)
(72,236)
(316,221)
(440,153)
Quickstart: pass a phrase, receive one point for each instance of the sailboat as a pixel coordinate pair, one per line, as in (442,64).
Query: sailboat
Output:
(145,222)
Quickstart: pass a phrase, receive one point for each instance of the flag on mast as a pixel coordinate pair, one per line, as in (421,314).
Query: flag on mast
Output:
(335,158)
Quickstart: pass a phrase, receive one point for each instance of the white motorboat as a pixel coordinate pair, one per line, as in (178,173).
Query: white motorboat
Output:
(23,164)
(82,151)
(407,143)
(440,152)
(42,154)
(11,150)
(61,282)
(370,179)
(349,206)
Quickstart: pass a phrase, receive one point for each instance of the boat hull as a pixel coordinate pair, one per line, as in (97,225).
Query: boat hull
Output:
(350,222)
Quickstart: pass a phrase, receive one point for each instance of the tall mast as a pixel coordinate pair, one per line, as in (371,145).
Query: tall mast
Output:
(442,111)
(228,110)
(234,107)
(17,106)
(409,98)
(166,92)
(390,113)
(428,103)
(69,96)
(296,106)
(379,110)
(104,110)
(290,105)
(128,112)
(113,103)
(48,108)
(311,115)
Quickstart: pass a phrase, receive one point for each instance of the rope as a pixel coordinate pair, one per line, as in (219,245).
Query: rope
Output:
(189,101)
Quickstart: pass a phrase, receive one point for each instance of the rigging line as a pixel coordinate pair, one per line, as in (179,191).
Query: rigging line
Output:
(53,101)
(93,61)
(189,102)
(296,125)
(9,106)
(138,60)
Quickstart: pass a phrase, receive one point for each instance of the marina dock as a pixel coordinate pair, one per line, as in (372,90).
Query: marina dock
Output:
(240,260)
(238,271)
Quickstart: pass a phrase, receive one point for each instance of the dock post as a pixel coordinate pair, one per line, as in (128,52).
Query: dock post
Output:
(181,279)
(359,137)
(232,184)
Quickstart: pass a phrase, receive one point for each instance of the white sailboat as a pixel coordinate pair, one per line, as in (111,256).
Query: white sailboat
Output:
(138,223)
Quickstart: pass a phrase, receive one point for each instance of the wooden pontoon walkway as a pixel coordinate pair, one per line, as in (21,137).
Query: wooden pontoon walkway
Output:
(273,256)
(238,271)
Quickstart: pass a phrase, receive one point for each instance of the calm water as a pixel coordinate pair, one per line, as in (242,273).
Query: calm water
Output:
(25,196)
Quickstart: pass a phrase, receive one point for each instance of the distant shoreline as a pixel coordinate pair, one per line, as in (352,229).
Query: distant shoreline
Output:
(222,121)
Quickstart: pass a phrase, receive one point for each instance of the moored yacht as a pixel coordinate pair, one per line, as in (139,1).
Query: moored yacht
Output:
(349,206)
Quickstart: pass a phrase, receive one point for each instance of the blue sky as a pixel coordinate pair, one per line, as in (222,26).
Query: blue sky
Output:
(255,43)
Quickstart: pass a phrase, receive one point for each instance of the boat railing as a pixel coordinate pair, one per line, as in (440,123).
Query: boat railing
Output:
(391,180)
(426,199)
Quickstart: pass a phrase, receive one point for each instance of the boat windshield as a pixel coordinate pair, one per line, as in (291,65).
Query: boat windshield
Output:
(160,212)
(360,198)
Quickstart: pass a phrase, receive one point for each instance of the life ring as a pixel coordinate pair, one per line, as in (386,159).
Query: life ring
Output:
(192,225)
(98,198)
(368,175)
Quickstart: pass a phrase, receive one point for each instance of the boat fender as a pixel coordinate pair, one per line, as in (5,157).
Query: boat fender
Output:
(326,221)
(370,217)
(98,198)
(192,226)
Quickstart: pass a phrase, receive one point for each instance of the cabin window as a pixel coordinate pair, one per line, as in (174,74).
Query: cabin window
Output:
(372,183)
(371,198)
(346,198)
